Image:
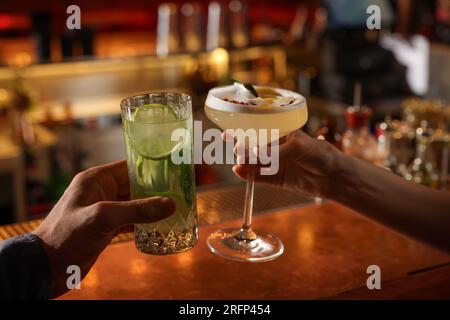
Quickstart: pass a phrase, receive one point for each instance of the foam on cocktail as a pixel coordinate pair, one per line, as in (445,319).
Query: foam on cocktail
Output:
(229,98)
(228,114)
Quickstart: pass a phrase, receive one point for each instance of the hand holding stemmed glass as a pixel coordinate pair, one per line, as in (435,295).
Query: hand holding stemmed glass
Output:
(266,109)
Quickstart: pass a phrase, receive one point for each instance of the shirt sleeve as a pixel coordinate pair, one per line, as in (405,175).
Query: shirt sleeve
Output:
(24,268)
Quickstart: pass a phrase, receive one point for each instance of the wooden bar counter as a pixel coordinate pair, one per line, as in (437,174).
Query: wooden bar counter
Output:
(327,251)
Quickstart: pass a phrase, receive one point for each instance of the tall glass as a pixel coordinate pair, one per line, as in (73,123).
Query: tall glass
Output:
(158,136)
(244,244)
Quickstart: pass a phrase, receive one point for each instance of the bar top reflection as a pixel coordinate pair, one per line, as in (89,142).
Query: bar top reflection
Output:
(328,250)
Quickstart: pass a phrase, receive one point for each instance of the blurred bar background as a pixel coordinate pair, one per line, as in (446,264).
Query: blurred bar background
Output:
(60,89)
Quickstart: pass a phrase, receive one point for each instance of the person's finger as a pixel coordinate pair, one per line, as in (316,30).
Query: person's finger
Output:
(295,145)
(242,172)
(125,229)
(227,136)
(125,196)
(112,176)
(116,214)
(268,149)
(117,169)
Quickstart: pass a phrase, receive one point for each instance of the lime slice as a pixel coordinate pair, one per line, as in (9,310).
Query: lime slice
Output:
(266,92)
(150,131)
(154,113)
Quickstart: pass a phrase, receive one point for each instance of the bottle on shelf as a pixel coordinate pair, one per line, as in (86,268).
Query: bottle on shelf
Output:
(216,35)
(192,27)
(423,168)
(440,145)
(396,144)
(330,132)
(385,131)
(297,29)
(238,14)
(167,38)
(357,140)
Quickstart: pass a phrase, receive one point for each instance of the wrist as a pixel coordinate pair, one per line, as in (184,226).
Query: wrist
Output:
(341,181)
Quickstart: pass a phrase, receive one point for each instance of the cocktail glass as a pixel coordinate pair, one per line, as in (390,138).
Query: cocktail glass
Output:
(244,244)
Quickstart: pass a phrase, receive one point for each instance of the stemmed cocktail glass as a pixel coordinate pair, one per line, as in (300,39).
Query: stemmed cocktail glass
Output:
(243,243)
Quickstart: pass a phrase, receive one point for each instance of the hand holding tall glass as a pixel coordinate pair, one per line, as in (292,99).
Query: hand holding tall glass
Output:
(272,109)
(149,121)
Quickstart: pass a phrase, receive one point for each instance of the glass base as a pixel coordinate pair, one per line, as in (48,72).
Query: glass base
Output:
(228,244)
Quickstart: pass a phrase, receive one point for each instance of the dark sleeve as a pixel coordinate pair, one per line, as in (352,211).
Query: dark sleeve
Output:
(24,268)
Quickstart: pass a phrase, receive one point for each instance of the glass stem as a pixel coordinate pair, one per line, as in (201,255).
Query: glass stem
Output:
(246,230)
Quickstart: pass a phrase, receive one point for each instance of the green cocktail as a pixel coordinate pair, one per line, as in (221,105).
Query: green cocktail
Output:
(154,168)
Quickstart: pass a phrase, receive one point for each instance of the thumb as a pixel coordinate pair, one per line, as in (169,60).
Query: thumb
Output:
(116,214)
(242,172)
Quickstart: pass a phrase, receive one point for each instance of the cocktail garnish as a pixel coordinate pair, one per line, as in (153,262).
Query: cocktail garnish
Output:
(246,94)
(283,101)
(242,93)
(252,89)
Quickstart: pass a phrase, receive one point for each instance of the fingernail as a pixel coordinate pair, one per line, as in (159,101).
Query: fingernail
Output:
(240,159)
(163,206)
(165,200)
(167,204)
